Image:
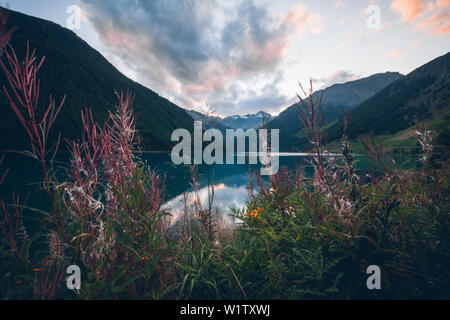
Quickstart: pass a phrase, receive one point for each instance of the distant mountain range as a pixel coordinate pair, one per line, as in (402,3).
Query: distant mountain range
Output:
(249,121)
(383,103)
(208,121)
(422,94)
(73,68)
(337,100)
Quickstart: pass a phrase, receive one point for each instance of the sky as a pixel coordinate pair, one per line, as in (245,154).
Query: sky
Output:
(244,56)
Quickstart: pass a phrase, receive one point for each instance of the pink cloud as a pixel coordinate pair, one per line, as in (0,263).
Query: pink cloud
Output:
(273,51)
(337,76)
(430,16)
(394,53)
(443,4)
(339,4)
(300,18)
(316,23)
(216,78)
(116,38)
(217,75)
(437,24)
(410,10)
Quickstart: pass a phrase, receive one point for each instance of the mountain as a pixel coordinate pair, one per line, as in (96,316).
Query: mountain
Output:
(337,100)
(249,121)
(73,68)
(422,94)
(208,121)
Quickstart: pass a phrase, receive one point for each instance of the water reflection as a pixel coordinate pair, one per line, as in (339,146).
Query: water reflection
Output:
(226,198)
(230,185)
(230,181)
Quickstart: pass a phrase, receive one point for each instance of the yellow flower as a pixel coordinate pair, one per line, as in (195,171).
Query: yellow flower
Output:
(254,213)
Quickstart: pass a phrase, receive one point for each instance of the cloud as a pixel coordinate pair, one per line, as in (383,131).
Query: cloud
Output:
(192,51)
(339,4)
(437,24)
(239,99)
(337,76)
(302,20)
(410,10)
(394,53)
(430,16)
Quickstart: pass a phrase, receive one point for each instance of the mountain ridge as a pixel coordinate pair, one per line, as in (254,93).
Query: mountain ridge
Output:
(418,96)
(248,121)
(89,80)
(337,100)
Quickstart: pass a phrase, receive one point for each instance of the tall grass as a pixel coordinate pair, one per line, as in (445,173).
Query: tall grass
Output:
(313,239)
(316,237)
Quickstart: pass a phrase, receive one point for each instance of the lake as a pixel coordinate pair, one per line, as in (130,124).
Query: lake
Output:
(230,181)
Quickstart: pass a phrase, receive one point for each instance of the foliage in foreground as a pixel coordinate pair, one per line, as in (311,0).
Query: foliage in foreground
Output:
(314,238)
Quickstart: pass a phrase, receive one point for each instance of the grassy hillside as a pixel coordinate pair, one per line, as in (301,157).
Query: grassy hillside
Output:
(299,237)
(75,69)
(405,141)
(337,100)
(422,95)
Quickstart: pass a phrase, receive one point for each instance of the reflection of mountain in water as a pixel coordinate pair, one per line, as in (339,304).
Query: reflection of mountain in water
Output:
(226,198)
(230,181)
(230,184)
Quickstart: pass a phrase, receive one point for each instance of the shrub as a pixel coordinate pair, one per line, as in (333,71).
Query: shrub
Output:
(313,239)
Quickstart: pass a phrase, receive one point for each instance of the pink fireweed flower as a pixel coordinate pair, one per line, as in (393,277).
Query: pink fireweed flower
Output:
(23,97)
(425,140)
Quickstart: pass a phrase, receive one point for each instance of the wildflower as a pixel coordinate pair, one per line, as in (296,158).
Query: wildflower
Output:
(104,241)
(425,141)
(345,210)
(95,204)
(56,246)
(109,195)
(24,94)
(69,193)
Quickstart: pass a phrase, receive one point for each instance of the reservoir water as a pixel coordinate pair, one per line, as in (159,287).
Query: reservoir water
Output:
(230,181)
